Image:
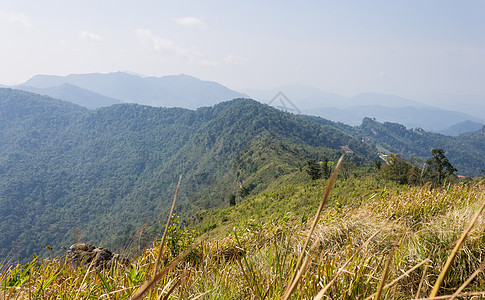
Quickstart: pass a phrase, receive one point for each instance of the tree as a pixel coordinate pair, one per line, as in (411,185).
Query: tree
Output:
(396,169)
(438,167)
(378,164)
(326,170)
(314,169)
(232,200)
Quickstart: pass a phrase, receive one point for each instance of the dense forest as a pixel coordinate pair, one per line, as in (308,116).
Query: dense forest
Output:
(68,173)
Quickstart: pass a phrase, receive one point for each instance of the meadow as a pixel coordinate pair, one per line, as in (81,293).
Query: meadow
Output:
(369,239)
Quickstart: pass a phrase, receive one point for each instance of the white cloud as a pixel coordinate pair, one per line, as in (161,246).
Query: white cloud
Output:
(191,22)
(234,59)
(163,46)
(382,74)
(18,19)
(89,36)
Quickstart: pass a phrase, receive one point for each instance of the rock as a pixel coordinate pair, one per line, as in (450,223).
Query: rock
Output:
(85,254)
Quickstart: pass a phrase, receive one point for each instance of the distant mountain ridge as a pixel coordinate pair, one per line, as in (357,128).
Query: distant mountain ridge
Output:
(426,117)
(170,91)
(382,107)
(462,127)
(74,94)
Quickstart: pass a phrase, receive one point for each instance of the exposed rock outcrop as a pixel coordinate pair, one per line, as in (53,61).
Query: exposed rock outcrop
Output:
(85,254)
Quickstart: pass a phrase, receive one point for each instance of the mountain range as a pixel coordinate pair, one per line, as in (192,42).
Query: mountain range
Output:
(444,114)
(439,117)
(169,91)
(63,166)
(67,171)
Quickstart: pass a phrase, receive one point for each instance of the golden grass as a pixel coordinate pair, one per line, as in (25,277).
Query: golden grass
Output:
(349,247)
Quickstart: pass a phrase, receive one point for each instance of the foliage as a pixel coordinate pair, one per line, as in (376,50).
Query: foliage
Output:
(396,169)
(314,169)
(438,167)
(465,151)
(108,171)
(254,257)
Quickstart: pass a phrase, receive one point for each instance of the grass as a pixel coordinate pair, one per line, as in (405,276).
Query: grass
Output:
(372,240)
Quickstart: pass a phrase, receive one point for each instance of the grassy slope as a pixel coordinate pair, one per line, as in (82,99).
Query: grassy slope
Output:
(270,228)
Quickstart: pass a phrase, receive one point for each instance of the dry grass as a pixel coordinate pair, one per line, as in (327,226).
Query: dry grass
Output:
(346,258)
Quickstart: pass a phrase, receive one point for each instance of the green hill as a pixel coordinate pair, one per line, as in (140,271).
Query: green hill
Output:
(370,234)
(103,173)
(68,173)
(466,151)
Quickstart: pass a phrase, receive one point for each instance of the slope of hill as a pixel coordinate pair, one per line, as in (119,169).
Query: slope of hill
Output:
(462,127)
(465,151)
(253,248)
(74,94)
(169,91)
(107,171)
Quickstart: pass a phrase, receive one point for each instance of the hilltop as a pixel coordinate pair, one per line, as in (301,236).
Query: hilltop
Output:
(69,172)
(65,167)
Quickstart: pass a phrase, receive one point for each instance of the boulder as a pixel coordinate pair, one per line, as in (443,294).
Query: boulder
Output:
(83,254)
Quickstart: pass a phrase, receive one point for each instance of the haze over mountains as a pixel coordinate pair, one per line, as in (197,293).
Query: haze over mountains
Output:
(446,114)
(438,117)
(170,91)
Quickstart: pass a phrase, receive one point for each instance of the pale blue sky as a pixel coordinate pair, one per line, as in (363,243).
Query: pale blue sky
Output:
(347,47)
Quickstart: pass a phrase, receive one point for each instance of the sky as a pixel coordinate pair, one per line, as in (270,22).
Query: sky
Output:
(407,48)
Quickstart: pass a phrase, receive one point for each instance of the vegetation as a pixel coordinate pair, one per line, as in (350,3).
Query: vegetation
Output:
(436,171)
(67,173)
(463,151)
(251,186)
(373,236)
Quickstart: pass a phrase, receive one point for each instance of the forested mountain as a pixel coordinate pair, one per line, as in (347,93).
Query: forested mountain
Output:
(462,127)
(67,172)
(103,173)
(466,151)
(169,91)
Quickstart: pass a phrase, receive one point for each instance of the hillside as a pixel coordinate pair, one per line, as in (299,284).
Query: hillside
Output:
(69,173)
(371,234)
(66,169)
(464,151)
(462,127)
(169,91)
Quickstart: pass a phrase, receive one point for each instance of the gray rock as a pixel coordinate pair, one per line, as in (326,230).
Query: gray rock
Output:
(86,254)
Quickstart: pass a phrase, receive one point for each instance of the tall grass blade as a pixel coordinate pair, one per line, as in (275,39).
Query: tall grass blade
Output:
(84,279)
(322,292)
(466,294)
(421,282)
(170,291)
(452,256)
(385,274)
(294,278)
(467,282)
(148,285)
(405,274)
(162,243)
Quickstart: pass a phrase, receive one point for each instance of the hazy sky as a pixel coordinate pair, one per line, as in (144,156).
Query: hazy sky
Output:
(402,47)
